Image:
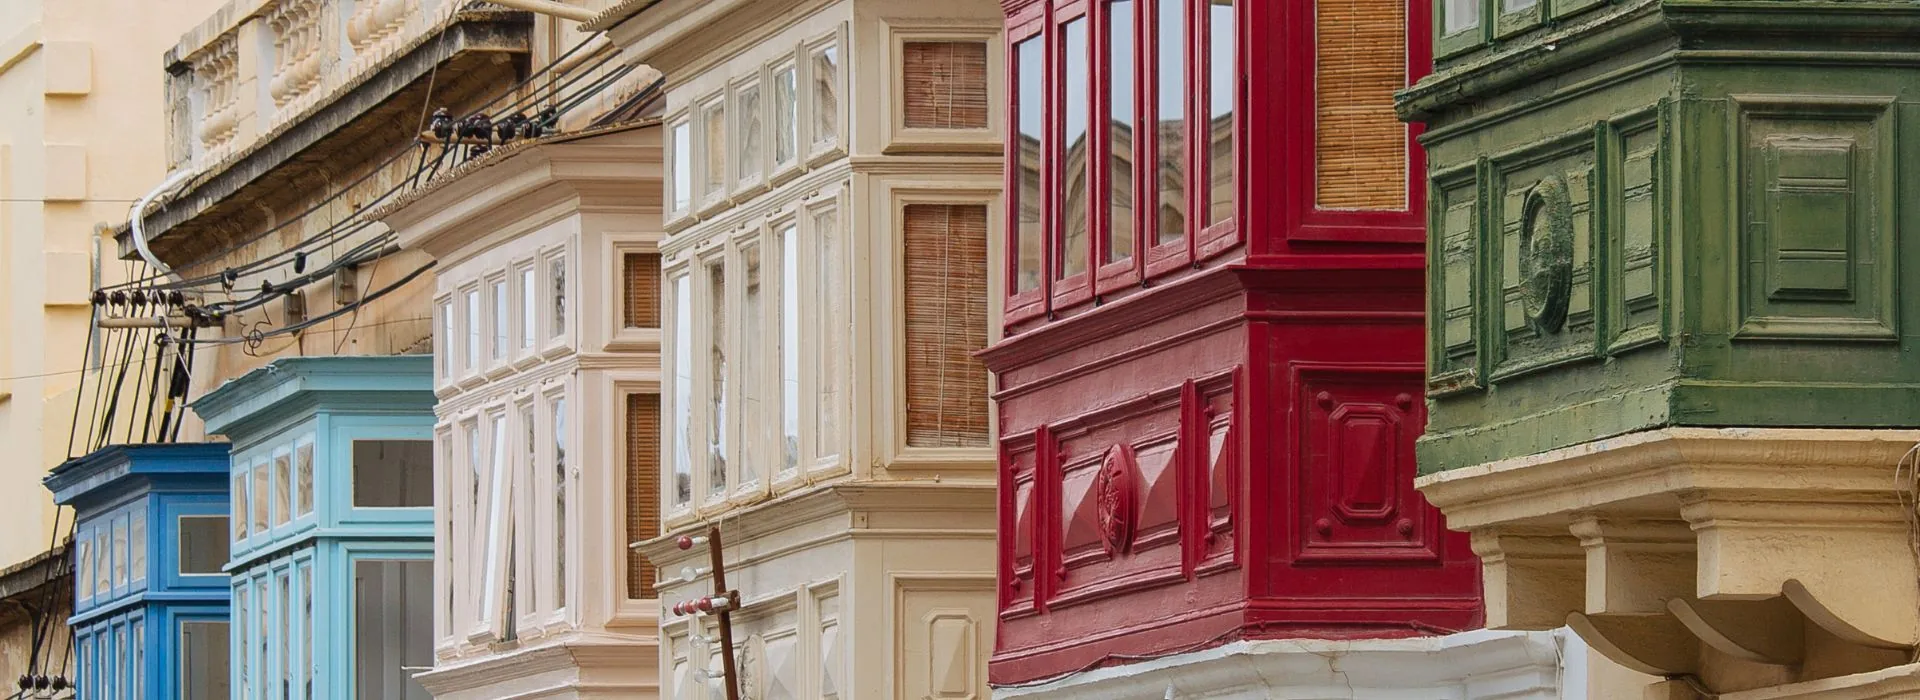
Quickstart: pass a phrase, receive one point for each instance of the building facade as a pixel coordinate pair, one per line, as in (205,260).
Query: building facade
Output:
(831,173)
(150,592)
(1211,365)
(1670,354)
(548,379)
(331,525)
(80,139)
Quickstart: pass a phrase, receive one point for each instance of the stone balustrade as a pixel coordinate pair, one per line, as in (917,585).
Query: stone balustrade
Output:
(255,65)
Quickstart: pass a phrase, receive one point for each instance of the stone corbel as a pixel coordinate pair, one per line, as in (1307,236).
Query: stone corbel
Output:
(1531,576)
(1827,556)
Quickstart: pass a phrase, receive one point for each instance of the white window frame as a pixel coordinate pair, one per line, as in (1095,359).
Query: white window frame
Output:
(677,158)
(818,150)
(446,367)
(743,185)
(525,283)
(784,170)
(712,199)
(674,327)
(554,341)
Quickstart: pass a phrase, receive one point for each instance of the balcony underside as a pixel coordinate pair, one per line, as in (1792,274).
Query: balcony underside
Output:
(1733,559)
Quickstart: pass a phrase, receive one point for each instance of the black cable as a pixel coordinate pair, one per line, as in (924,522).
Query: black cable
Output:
(153,390)
(336,313)
(113,404)
(73,428)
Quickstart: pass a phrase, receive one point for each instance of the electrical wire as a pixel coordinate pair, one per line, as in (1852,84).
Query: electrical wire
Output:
(513,106)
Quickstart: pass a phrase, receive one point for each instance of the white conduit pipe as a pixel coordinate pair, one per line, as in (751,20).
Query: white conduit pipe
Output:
(140,211)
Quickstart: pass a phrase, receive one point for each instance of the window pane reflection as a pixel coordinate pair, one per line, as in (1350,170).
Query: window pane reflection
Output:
(1074,65)
(203,659)
(682,390)
(392,628)
(1461,15)
(786,116)
(753,374)
(1120,131)
(748,108)
(1171,130)
(682,170)
(1220,93)
(826,97)
(789,348)
(717,379)
(1031,105)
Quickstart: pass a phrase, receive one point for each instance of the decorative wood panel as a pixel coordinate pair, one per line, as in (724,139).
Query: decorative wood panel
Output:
(946,322)
(945,84)
(1543,258)
(1453,310)
(941,638)
(1635,211)
(1817,249)
(1357,428)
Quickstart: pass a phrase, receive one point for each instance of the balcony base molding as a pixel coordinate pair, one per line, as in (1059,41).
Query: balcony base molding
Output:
(1481,664)
(575,666)
(1733,560)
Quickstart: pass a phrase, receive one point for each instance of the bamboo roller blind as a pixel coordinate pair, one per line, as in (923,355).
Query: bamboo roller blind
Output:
(643,488)
(946,322)
(945,84)
(642,281)
(1360,146)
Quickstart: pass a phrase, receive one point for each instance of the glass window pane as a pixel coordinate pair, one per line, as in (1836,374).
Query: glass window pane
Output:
(560,467)
(263,605)
(1171,129)
(826,95)
(445,343)
(83,555)
(119,555)
(203,550)
(789,310)
(282,488)
(833,330)
(501,322)
(239,506)
(1030,78)
(260,492)
(102,561)
(717,379)
(1221,86)
(496,523)
(527,307)
(682,166)
(682,389)
(557,271)
(393,473)
(747,113)
(242,609)
(753,374)
(203,659)
(308,636)
(1072,254)
(473,330)
(137,542)
(524,584)
(122,655)
(139,652)
(303,468)
(786,116)
(284,631)
(1460,15)
(392,627)
(1120,130)
(716,142)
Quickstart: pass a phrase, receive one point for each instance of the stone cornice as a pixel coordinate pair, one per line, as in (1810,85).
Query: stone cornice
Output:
(1655,462)
(613,169)
(573,652)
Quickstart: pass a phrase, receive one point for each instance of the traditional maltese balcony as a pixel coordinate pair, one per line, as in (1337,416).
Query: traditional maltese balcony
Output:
(1671,358)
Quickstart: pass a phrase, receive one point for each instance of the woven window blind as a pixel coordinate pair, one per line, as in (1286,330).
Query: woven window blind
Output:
(1361,146)
(643,488)
(945,84)
(641,276)
(946,322)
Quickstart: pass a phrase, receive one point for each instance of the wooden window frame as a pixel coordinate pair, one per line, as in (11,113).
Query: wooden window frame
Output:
(1216,237)
(1301,217)
(680,217)
(816,149)
(741,186)
(1069,290)
(1124,272)
(896,136)
(750,434)
(1030,23)
(675,326)
(823,455)
(1163,259)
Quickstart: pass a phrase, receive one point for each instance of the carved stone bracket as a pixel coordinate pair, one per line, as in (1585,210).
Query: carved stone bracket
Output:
(1740,559)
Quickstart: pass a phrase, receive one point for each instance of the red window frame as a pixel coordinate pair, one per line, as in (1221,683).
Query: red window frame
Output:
(1071,290)
(1027,24)
(1303,219)
(1044,21)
